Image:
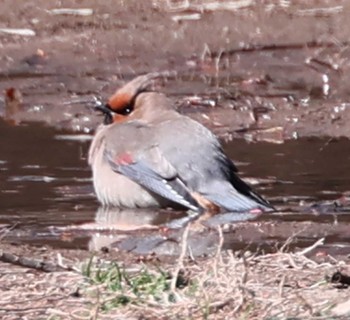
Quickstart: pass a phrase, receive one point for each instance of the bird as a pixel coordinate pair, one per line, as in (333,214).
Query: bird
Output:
(146,154)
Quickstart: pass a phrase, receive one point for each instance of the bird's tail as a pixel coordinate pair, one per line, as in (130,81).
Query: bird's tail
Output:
(238,198)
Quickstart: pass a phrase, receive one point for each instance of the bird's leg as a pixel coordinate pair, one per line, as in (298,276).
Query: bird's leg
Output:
(210,208)
(184,221)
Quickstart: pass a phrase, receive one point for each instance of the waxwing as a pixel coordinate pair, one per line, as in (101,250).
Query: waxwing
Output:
(146,154)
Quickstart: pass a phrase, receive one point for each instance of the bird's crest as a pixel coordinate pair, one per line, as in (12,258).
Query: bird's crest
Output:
(126,95)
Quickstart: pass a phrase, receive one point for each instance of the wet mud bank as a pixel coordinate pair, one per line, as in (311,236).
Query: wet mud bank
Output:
(263,71)
(276,75)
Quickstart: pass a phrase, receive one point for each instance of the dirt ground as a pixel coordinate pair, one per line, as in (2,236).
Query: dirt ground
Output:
(223,286)
(264,70)
(277,69)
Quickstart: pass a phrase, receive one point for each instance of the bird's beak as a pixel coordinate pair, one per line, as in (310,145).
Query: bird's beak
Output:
(107,112)
(103,108)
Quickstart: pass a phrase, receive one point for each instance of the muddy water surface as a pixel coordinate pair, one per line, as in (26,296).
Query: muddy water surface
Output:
(46,193)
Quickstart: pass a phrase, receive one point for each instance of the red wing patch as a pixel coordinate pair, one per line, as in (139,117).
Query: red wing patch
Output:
(124,159)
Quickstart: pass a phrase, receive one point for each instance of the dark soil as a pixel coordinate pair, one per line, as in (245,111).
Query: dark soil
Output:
(265,66)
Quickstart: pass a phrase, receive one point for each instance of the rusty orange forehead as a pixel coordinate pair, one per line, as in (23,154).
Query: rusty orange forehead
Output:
(119,101)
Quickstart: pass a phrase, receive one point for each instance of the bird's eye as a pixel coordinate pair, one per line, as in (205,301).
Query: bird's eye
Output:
(125,111)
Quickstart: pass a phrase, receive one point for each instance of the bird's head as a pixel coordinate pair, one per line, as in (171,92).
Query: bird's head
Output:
(123,104)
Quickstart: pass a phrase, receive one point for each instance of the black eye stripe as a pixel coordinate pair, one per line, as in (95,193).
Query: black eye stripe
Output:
(128,108)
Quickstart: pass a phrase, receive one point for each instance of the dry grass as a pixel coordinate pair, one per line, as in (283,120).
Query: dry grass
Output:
(225,286)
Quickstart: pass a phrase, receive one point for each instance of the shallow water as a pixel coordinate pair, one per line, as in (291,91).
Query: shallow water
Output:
(46,191)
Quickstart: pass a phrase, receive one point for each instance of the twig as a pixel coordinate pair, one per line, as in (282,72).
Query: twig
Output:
(5,230)
(69,11)
(23,309)
(292,261)
(319,242)
(281,285)
(277,47)
(64,266)
(214,306)
(19,32)
(96,307)
(218,251)
(221,242)
(320,11)
(287,243)
(31,263)
(291,239)
(179,265)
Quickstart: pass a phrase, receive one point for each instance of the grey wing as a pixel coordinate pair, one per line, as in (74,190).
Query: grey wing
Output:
(155,173)
(203,165)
